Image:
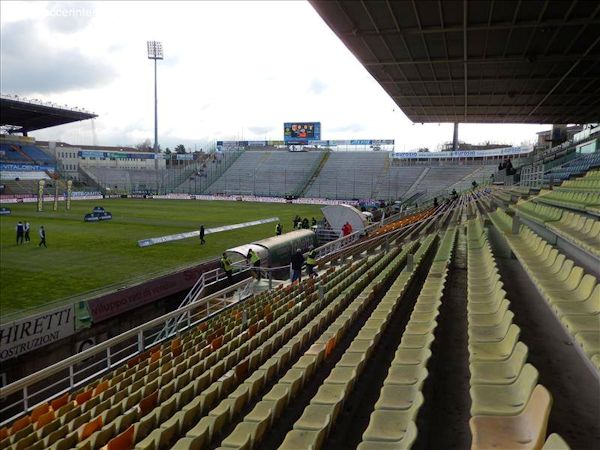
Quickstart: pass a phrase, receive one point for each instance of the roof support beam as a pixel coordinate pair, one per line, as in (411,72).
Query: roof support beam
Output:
(465,69)
(490,60)
(575,64)
(484,79)
(483,26)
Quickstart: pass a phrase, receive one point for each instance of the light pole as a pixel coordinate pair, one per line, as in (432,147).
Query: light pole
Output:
(155,52)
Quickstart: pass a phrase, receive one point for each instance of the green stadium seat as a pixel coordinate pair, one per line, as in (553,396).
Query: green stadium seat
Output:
(525,430)
(555,442)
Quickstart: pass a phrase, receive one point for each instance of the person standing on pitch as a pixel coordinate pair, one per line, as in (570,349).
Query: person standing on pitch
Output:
(278,229)
(297,263)
(202,241)
(20,230)
(227,267)
(27,228)
(42,237)
(311,262)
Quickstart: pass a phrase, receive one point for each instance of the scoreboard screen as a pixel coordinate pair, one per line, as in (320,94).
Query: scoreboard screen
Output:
(302,131)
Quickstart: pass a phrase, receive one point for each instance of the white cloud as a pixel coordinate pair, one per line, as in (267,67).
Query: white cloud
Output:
(231,69)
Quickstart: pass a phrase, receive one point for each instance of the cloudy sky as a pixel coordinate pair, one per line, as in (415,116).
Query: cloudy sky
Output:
(232,70)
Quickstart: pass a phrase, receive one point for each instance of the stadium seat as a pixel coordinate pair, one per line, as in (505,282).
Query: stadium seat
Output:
(525,430)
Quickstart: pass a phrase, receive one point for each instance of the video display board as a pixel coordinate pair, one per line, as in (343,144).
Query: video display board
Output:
(301,131)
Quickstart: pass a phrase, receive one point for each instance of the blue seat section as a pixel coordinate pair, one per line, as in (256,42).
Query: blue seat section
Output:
(9,154)
(576,166)
(37,154)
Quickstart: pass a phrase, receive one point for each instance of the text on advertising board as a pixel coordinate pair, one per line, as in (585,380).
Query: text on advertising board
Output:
(24,335)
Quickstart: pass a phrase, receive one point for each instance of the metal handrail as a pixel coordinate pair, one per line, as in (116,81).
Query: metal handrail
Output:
(104,349)
(194,294)
(141,341)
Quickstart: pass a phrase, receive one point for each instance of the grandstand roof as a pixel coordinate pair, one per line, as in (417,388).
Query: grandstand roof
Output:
(535,61)
(30,116)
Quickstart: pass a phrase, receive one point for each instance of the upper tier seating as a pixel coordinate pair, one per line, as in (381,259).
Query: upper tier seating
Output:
(574,167)
(348,175)
(443,177)
(25,154)
(276,173)
(397,182)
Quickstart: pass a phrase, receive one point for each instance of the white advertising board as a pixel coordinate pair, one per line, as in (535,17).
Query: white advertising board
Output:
(30,333)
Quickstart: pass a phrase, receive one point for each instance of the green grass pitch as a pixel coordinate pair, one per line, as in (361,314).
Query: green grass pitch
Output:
(82,257)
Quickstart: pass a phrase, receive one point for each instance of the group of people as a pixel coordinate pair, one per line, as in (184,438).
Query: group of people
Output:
(252,258)
(298,261)
(303,223)
(23,230)
(507,164)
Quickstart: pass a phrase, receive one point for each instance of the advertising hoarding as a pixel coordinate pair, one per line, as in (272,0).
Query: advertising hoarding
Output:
(464,153)
(24,335)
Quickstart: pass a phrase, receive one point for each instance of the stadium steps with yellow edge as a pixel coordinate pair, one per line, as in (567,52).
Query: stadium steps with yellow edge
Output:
(573,295)
(252,429)
(509,409)
(383,176)
(315,174)
(392,424)
(311,430)
(188,364)
(274,354)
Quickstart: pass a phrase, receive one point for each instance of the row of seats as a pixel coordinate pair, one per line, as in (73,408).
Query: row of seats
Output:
(122,389)
(508,408)
(318,418)
(250,431)
(572,294)
(576,228)
(209,404)
(392,423)
(579,201)
(581,164)
(581,184)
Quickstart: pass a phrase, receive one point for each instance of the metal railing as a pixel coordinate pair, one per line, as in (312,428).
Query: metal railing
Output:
(79,369)
(194,295)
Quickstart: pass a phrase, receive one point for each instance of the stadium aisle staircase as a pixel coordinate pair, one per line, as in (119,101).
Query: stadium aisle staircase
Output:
(509,409)
(344,311)
(573,295)
(392,423)
(312,428)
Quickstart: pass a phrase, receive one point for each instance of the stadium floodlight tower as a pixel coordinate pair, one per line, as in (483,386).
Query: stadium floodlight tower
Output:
(155,52)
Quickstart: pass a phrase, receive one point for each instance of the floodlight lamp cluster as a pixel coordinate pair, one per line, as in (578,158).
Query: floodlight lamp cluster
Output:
(155,50)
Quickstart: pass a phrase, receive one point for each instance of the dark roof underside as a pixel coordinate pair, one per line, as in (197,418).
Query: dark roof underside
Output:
(31,116)
(529,61)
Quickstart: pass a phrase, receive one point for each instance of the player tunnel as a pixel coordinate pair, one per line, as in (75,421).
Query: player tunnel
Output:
(277,250)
